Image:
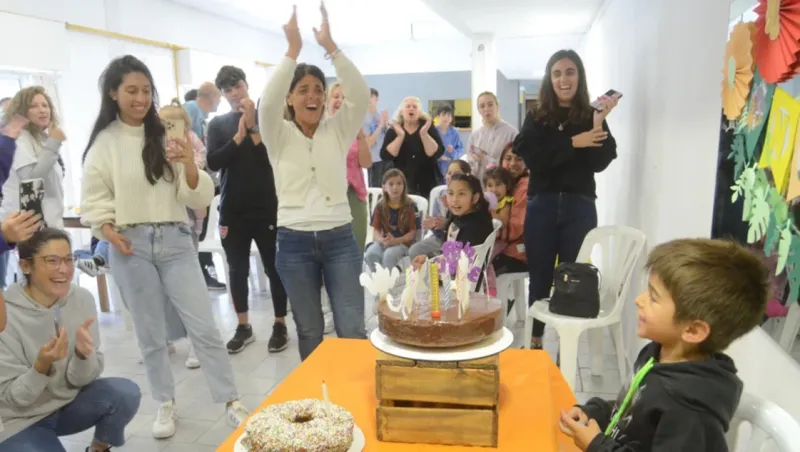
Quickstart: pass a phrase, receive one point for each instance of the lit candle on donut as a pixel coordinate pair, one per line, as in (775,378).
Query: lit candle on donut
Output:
(434,290)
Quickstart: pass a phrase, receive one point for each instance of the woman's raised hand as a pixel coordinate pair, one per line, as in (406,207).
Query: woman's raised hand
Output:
(590,139)
(293,35)
(323,35)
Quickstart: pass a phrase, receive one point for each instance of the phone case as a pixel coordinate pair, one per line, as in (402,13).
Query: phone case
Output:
(610,93)
(31,194)
(176,129)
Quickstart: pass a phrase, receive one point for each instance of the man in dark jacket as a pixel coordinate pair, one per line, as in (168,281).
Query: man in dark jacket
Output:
(248,204)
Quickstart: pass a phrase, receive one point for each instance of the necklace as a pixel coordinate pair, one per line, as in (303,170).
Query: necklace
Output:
(561,126)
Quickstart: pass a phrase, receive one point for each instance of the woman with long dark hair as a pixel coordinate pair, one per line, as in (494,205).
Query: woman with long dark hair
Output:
(309,156)
(563,142)
(135,195)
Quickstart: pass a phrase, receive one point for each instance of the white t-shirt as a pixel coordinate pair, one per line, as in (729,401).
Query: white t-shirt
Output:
(29,150)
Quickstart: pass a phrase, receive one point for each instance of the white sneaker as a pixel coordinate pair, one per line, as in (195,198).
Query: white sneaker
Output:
(88,266)
(191,361)
(237,413)
(328,323)
(164,426)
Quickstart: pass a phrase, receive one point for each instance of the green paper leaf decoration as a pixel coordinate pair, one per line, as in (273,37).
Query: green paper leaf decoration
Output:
(738,155)
(772,236)
(759,215)
(793,268)
(784,246)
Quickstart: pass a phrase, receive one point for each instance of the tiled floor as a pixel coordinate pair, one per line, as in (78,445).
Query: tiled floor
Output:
(202,426)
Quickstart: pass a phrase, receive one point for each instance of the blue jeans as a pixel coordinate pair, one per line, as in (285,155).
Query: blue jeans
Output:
(164,270)
(555,226)
(306,259)
(107,404)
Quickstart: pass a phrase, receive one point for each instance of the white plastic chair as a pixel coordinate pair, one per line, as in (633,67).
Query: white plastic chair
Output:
(620,248)
(436,193)
(212,243)
(769,424)
(511,286)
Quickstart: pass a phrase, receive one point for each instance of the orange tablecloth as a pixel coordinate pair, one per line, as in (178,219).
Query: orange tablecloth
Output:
(532,393)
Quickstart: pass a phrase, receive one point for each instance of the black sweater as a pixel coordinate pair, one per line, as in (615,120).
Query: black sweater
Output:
(422,172)
(679,407)
(473,228)
(247,183)
(555,166)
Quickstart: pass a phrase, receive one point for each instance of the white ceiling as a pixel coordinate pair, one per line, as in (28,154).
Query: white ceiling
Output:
(353,22)
(527,31)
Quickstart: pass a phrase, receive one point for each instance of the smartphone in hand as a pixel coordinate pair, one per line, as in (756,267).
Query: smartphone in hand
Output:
(31,195)
(176,129)
(610,93)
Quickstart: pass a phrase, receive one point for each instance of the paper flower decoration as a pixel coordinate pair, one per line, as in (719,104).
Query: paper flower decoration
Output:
(737,70)
(380,281)
(777,39)
(451,254)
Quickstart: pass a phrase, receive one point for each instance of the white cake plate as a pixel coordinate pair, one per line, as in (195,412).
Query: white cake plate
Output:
(359,442)
(492,345)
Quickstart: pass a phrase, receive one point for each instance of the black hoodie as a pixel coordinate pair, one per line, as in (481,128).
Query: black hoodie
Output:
(679,407)
(473,228)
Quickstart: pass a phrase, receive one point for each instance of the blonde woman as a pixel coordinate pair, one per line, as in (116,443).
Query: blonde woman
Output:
(414,147)
(487,143)
(37,156)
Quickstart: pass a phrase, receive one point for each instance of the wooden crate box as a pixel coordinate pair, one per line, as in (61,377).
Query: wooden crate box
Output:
(437,402)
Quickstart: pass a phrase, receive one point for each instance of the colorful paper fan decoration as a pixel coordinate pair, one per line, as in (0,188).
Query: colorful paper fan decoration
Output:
(738,70)
(777,39)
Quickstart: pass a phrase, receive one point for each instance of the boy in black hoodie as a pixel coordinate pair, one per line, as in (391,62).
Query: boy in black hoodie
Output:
(702,295)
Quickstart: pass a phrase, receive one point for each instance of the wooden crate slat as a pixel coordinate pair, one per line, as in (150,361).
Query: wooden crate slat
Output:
(437,426)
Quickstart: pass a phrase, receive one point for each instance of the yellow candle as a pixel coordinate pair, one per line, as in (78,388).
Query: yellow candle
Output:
(435,314)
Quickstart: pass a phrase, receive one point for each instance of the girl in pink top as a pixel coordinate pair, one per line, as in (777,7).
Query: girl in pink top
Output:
(359,157)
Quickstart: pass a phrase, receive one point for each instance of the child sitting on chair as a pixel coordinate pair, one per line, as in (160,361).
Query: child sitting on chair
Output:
(702,295)
(395,220)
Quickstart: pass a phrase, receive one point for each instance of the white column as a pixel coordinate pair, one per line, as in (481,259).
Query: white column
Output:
(484,71)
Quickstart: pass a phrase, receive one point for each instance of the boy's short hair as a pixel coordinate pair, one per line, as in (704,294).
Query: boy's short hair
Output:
(445,109)
(228,77)
(373,93)
(718,282)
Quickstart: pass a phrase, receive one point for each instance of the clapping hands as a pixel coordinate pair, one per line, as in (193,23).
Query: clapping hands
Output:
(55,350)
(322,34)
(84,344)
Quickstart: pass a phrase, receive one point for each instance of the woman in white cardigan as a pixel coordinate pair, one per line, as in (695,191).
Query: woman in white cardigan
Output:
(135,195)
(316,244)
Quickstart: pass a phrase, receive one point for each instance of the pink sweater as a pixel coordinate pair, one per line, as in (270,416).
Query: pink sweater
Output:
(355,177)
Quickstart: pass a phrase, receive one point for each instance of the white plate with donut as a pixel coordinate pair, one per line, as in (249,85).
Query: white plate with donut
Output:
(492,345)
(359,442)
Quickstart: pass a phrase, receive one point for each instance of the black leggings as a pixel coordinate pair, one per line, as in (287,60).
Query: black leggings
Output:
(237,238)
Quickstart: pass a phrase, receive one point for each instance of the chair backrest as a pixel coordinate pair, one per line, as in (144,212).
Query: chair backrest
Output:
(422,205)
(770,427)
(497,224)
(374,194)
(620,248)
(212,231)
(483,252)
(435,194)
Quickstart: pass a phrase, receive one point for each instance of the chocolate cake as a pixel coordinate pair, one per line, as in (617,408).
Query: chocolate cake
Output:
(483,318)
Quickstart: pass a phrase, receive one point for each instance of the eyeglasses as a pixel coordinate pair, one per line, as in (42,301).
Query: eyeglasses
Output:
(54,262)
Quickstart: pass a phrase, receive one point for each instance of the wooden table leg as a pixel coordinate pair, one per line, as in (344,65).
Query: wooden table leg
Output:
(102,292)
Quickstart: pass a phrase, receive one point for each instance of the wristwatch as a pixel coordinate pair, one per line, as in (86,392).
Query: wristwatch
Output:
(253,130)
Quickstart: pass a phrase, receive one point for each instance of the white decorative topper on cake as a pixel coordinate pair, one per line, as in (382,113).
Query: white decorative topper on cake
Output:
(458,273)
(409,293)
(380,282)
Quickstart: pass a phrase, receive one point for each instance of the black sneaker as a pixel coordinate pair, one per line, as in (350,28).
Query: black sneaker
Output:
(213,284)
(242,337)
(279,339)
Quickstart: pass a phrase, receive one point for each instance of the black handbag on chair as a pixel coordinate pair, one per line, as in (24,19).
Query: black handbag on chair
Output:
(577,290)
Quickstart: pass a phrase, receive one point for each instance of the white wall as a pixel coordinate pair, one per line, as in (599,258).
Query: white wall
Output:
(665,57)
(75,59)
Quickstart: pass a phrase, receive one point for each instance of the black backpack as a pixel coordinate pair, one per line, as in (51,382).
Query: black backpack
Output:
(577,290)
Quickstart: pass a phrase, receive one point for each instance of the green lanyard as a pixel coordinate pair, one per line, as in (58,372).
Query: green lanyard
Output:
(637,381)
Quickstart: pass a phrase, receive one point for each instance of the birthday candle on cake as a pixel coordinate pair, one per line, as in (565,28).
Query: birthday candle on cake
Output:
(446,287)
(434,290)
